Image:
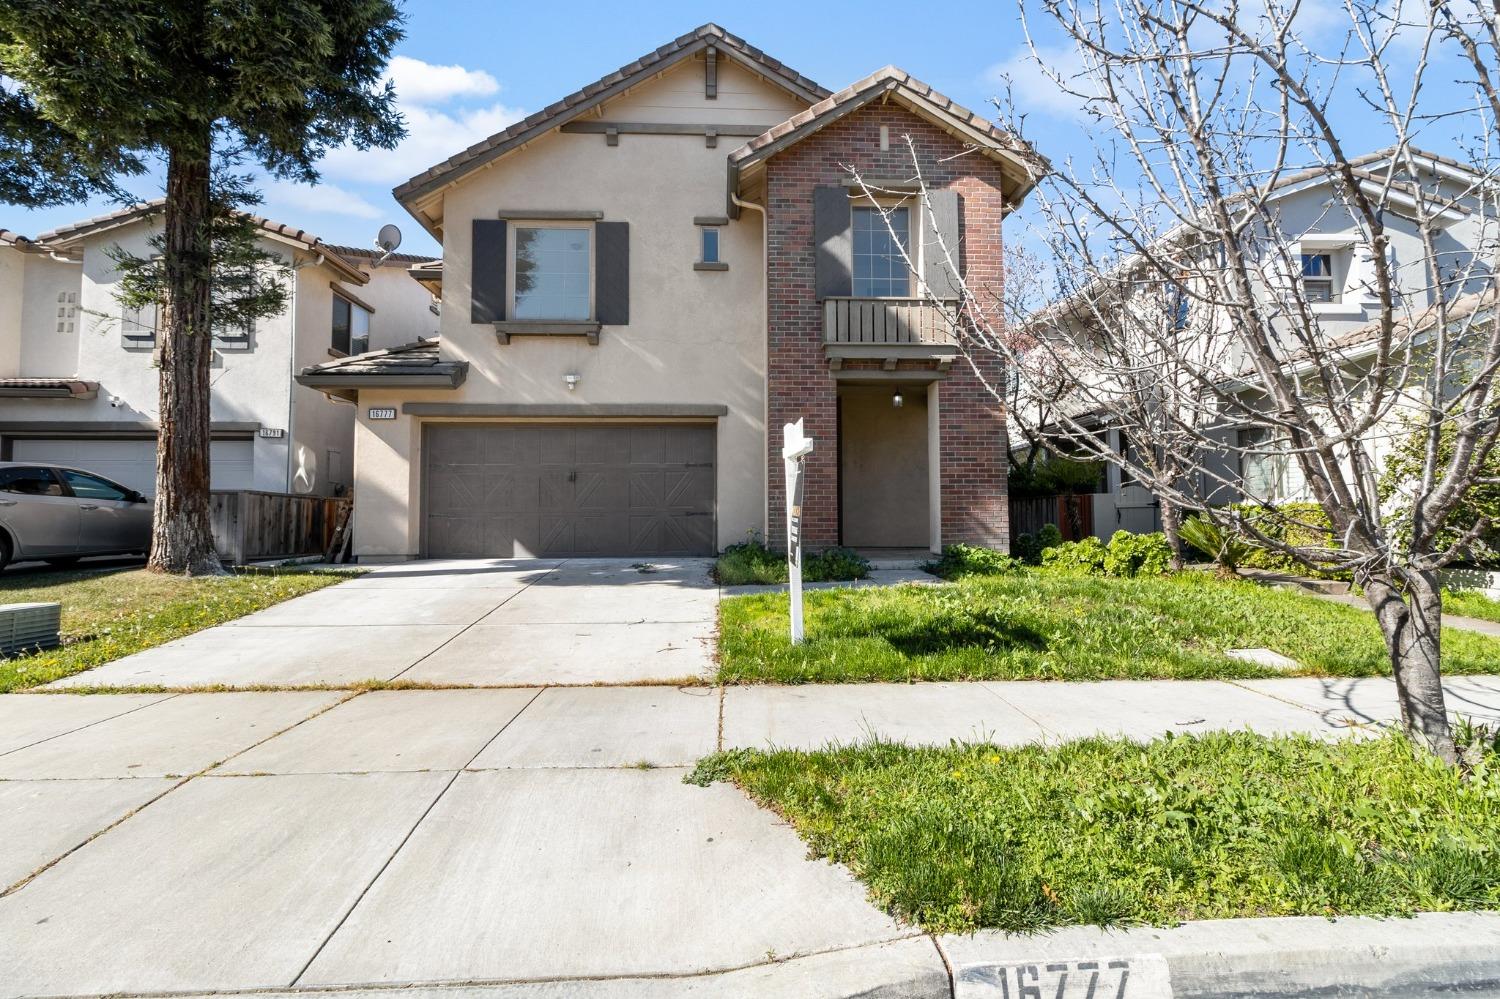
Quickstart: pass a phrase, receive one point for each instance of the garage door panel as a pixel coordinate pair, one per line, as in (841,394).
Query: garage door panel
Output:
(573,490)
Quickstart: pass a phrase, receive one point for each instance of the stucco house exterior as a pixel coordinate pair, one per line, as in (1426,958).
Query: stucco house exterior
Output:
(643,282)
(1337,281)
(78,375)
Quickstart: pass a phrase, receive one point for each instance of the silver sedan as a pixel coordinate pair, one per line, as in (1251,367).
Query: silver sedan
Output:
(59,515)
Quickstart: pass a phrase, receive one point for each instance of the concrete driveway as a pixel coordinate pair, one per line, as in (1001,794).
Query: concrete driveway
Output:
(474,622)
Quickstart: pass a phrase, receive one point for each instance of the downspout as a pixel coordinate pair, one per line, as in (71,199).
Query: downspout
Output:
(765,325)
(291,394)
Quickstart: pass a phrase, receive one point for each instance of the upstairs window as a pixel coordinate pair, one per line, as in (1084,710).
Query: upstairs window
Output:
(138,327)
(1317,278)
(351,326)
(552,273)
(710,236)
(880,237)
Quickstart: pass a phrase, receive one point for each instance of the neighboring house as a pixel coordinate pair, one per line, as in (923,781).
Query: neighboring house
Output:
(645,281)
(1337,280)
(78,374)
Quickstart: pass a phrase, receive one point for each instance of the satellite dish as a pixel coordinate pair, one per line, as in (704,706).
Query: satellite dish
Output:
(389,238)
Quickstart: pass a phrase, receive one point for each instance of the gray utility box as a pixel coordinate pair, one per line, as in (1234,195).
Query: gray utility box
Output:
(27,627)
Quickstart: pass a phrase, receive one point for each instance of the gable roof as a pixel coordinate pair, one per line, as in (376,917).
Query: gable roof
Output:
(65,236)
(1021,165)
(610,85)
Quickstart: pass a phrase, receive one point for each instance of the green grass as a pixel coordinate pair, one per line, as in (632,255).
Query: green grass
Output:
(1470,603)
(107,615)
(1107,831)
(1043,625)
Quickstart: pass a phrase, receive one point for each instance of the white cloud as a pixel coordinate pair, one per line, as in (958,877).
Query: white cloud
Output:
(286,200)
(431,137)
(419,82)
(1033,80)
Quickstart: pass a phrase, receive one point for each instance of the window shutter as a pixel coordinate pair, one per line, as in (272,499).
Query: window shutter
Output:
(487,293)
(138,328)
(612,273)
(833,269)
(942,235)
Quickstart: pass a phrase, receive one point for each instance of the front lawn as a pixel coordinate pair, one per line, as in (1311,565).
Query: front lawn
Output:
(1055,626)
(108,614)
(1109,831)
(1471,603)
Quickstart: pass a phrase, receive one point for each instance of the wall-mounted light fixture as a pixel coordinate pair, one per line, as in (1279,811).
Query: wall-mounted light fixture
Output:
(896,399)
(572,380)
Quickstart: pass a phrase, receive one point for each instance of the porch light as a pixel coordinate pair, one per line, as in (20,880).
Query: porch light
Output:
(572,380)
(896,400)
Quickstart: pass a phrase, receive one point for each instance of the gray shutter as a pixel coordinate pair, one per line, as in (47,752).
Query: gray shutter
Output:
(942,222)
(834,255)
(612,273)
(487,296)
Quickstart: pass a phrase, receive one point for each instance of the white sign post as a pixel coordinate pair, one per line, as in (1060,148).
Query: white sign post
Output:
(795,446)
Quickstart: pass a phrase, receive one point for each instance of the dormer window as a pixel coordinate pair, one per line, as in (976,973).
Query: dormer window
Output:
(1317,278)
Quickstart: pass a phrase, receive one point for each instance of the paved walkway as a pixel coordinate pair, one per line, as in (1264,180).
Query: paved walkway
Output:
(264,840)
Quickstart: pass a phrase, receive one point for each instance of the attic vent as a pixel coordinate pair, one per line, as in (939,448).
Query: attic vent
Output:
(27,627)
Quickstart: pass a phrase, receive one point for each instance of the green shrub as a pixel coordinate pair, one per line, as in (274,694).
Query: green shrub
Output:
(1085,556)
(1027,549)
(959,561)
(751,561)
(1482,501)
(1050,536)
(834,564)
(1225,548)
(1137,554)
(1289,523)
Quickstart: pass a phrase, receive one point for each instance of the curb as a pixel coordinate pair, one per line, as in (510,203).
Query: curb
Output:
(1426,955)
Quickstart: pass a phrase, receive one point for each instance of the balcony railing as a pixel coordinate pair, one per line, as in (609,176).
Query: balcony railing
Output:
(888,322)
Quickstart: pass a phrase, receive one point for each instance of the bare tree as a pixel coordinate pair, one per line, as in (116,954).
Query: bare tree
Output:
(1223,318)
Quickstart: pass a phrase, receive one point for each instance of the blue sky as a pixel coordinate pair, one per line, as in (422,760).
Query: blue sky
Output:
(467,69)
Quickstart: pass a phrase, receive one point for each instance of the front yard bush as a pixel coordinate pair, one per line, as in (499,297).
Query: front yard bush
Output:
(961,561)
(1126,555)
(1111,831)
(1290,523)
(1085,556)
(751,562)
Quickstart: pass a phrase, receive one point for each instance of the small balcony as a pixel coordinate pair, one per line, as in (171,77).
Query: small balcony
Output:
(889,330)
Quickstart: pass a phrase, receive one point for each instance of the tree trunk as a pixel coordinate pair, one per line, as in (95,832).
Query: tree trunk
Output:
(181,538)
(1413,636)
(1171,526)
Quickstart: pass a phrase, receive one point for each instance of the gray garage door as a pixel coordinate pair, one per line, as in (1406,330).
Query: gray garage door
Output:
(511,490)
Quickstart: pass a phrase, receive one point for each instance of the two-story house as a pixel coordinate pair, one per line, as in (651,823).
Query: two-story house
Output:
(78,374)
(1334,274)
(643,282)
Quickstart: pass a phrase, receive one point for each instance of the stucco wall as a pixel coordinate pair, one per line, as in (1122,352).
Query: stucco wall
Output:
(46,351)
(693,337)
(12,277)
(402,307)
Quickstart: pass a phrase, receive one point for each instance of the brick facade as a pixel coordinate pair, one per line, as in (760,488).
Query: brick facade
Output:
(972,457)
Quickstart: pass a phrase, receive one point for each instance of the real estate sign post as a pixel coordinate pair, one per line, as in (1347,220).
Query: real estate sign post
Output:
(795,445)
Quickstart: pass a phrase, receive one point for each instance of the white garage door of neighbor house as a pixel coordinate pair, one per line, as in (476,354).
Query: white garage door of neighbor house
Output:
(133,463)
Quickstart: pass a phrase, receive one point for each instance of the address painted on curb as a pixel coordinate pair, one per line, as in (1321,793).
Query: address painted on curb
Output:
(1143,976)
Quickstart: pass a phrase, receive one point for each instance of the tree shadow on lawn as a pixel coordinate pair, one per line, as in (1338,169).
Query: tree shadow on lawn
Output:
(983,629)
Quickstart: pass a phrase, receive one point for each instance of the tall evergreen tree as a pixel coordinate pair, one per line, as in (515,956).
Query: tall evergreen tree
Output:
(100,90)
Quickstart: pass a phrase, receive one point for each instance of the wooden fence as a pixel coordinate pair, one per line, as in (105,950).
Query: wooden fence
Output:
(1029,514)
(250,526)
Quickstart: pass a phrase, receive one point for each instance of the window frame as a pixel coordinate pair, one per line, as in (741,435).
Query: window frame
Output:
(1335,295)
(913,251)
(707,234)
(512,245)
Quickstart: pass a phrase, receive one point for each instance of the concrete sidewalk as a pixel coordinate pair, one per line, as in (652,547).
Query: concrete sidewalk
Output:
(508,837)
